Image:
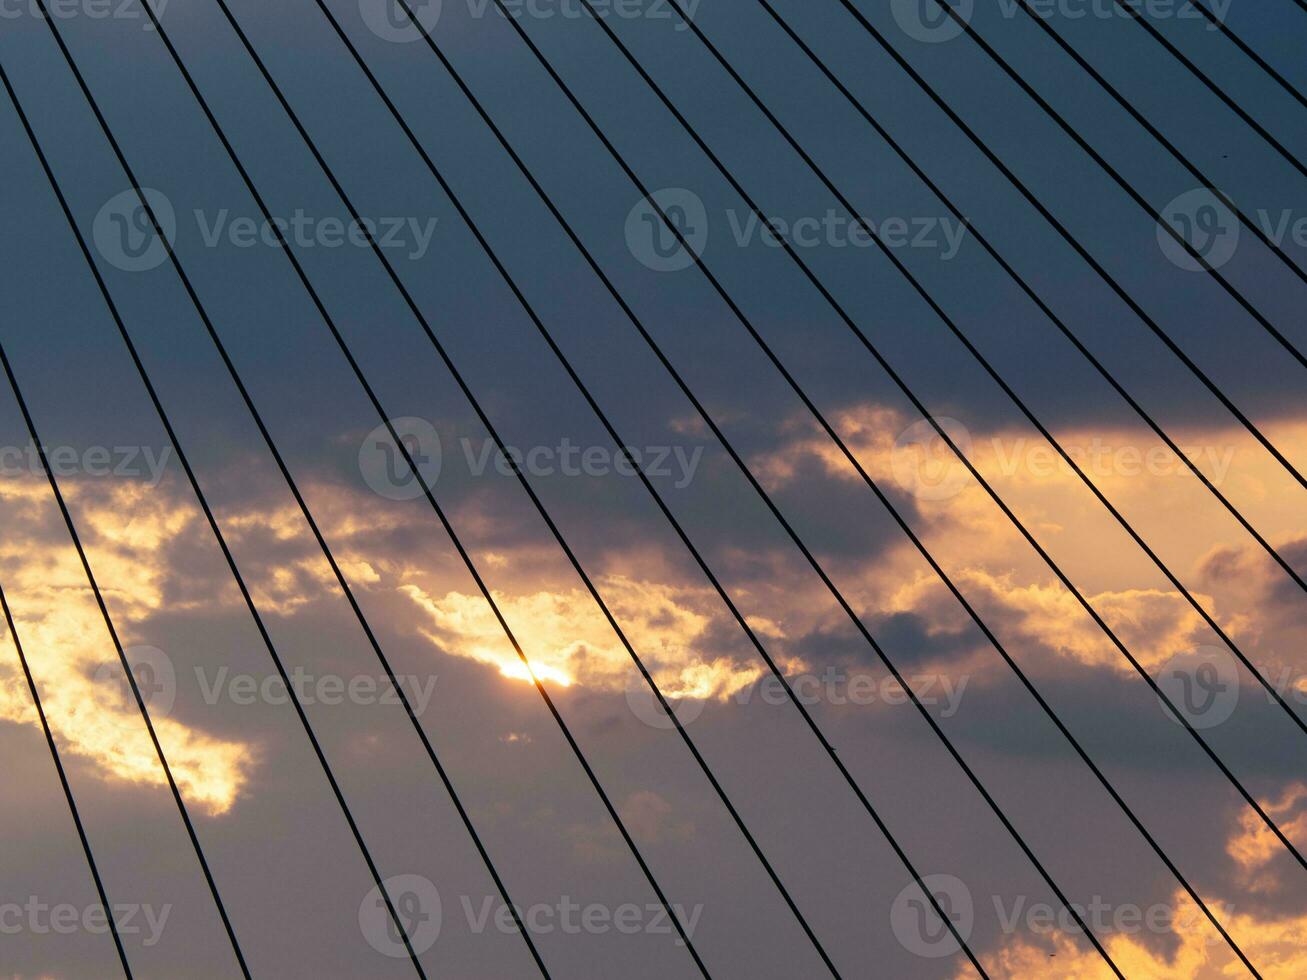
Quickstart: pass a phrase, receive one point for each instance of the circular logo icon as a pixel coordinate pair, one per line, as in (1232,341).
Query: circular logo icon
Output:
(928,21)
(1203,684)
(918,927)
(655,244)
(924,465)
(1207,223)
(155,677)
(417,908)
(400,21)
(124,234)
(640,699)
(385,466)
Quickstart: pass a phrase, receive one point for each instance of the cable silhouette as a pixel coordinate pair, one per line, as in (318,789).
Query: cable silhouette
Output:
(404,451)
(568,551)
(947,320)
(1257,230)
(1216,90)
(697,260)
(737,615)
(1248,50)
(228,556)
(336,570)
(67,788)
(1121,181)
(854,616)
(1025,287)
(108,620)
(1071,240)
(1006,388)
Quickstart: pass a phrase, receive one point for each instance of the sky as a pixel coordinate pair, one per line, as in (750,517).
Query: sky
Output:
(300,896)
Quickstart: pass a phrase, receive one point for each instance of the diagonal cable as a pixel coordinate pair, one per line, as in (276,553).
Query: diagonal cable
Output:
(1025,287)
(568,551)
(1121,181)
(674,229)
(67,788)
(222,541)
(1071,240)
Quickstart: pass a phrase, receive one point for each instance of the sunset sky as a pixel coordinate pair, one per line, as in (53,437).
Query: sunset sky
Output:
(282,856)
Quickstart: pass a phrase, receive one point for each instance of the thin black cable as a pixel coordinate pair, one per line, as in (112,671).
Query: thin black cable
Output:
(68,790)
(1216,89)
(423,322)
(1259,232)
(217,531)
(1170,147)
(890,666)
(702,266)
(894,511)
(1070,239)
(1025,286)
(346,589)
(136,359)
(108,620)
(1117,176)
(739,617)
(399,442)
(1247,49)
(947,321)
